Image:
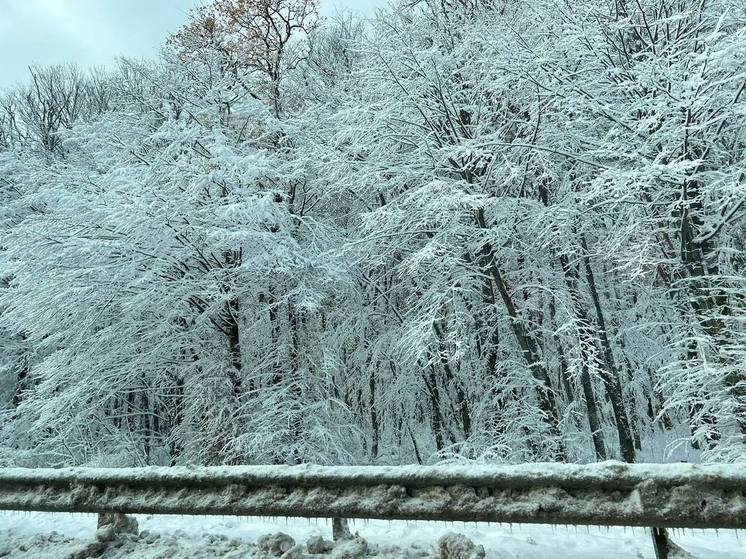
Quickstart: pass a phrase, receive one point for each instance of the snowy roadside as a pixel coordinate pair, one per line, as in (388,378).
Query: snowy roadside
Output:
(47,536)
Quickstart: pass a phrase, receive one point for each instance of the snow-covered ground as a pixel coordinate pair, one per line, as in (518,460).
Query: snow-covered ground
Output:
(47,536)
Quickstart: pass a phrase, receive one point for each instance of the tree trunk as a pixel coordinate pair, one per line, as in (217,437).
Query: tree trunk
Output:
(431,381)
(461,402)
(373,416)
(527,345)
(587,357)
(610,374)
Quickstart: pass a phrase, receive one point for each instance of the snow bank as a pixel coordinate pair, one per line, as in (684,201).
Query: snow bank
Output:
(233,538)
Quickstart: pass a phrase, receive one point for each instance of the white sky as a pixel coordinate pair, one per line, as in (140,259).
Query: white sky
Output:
(94,32)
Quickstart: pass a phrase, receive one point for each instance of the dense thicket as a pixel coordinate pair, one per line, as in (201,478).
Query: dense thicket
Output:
(466,229)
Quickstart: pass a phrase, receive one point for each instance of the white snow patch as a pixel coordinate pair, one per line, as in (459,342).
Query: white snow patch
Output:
(56,535)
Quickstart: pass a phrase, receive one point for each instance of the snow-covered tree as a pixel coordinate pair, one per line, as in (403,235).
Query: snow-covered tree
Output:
(465,229)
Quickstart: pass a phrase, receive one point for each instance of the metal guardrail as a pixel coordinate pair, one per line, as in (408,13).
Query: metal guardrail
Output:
(609,493)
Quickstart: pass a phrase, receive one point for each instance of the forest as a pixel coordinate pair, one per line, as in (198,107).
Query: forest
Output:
(460,230)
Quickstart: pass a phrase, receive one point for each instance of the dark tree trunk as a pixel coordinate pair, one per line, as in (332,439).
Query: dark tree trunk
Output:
(373,415)
(461,402)
(527,345)
(610,372)
(234,345)
(587,356)
(431,381)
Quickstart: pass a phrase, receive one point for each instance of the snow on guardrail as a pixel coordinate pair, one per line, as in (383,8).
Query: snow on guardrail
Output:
(608,493)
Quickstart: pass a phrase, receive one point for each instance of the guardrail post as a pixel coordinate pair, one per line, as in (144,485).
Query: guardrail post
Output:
(109,526)
(660,542)
(340,529)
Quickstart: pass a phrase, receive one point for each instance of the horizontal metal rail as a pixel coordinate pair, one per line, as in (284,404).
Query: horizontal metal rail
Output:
(609,493)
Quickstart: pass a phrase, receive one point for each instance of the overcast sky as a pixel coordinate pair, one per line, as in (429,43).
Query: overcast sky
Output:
(94,32)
